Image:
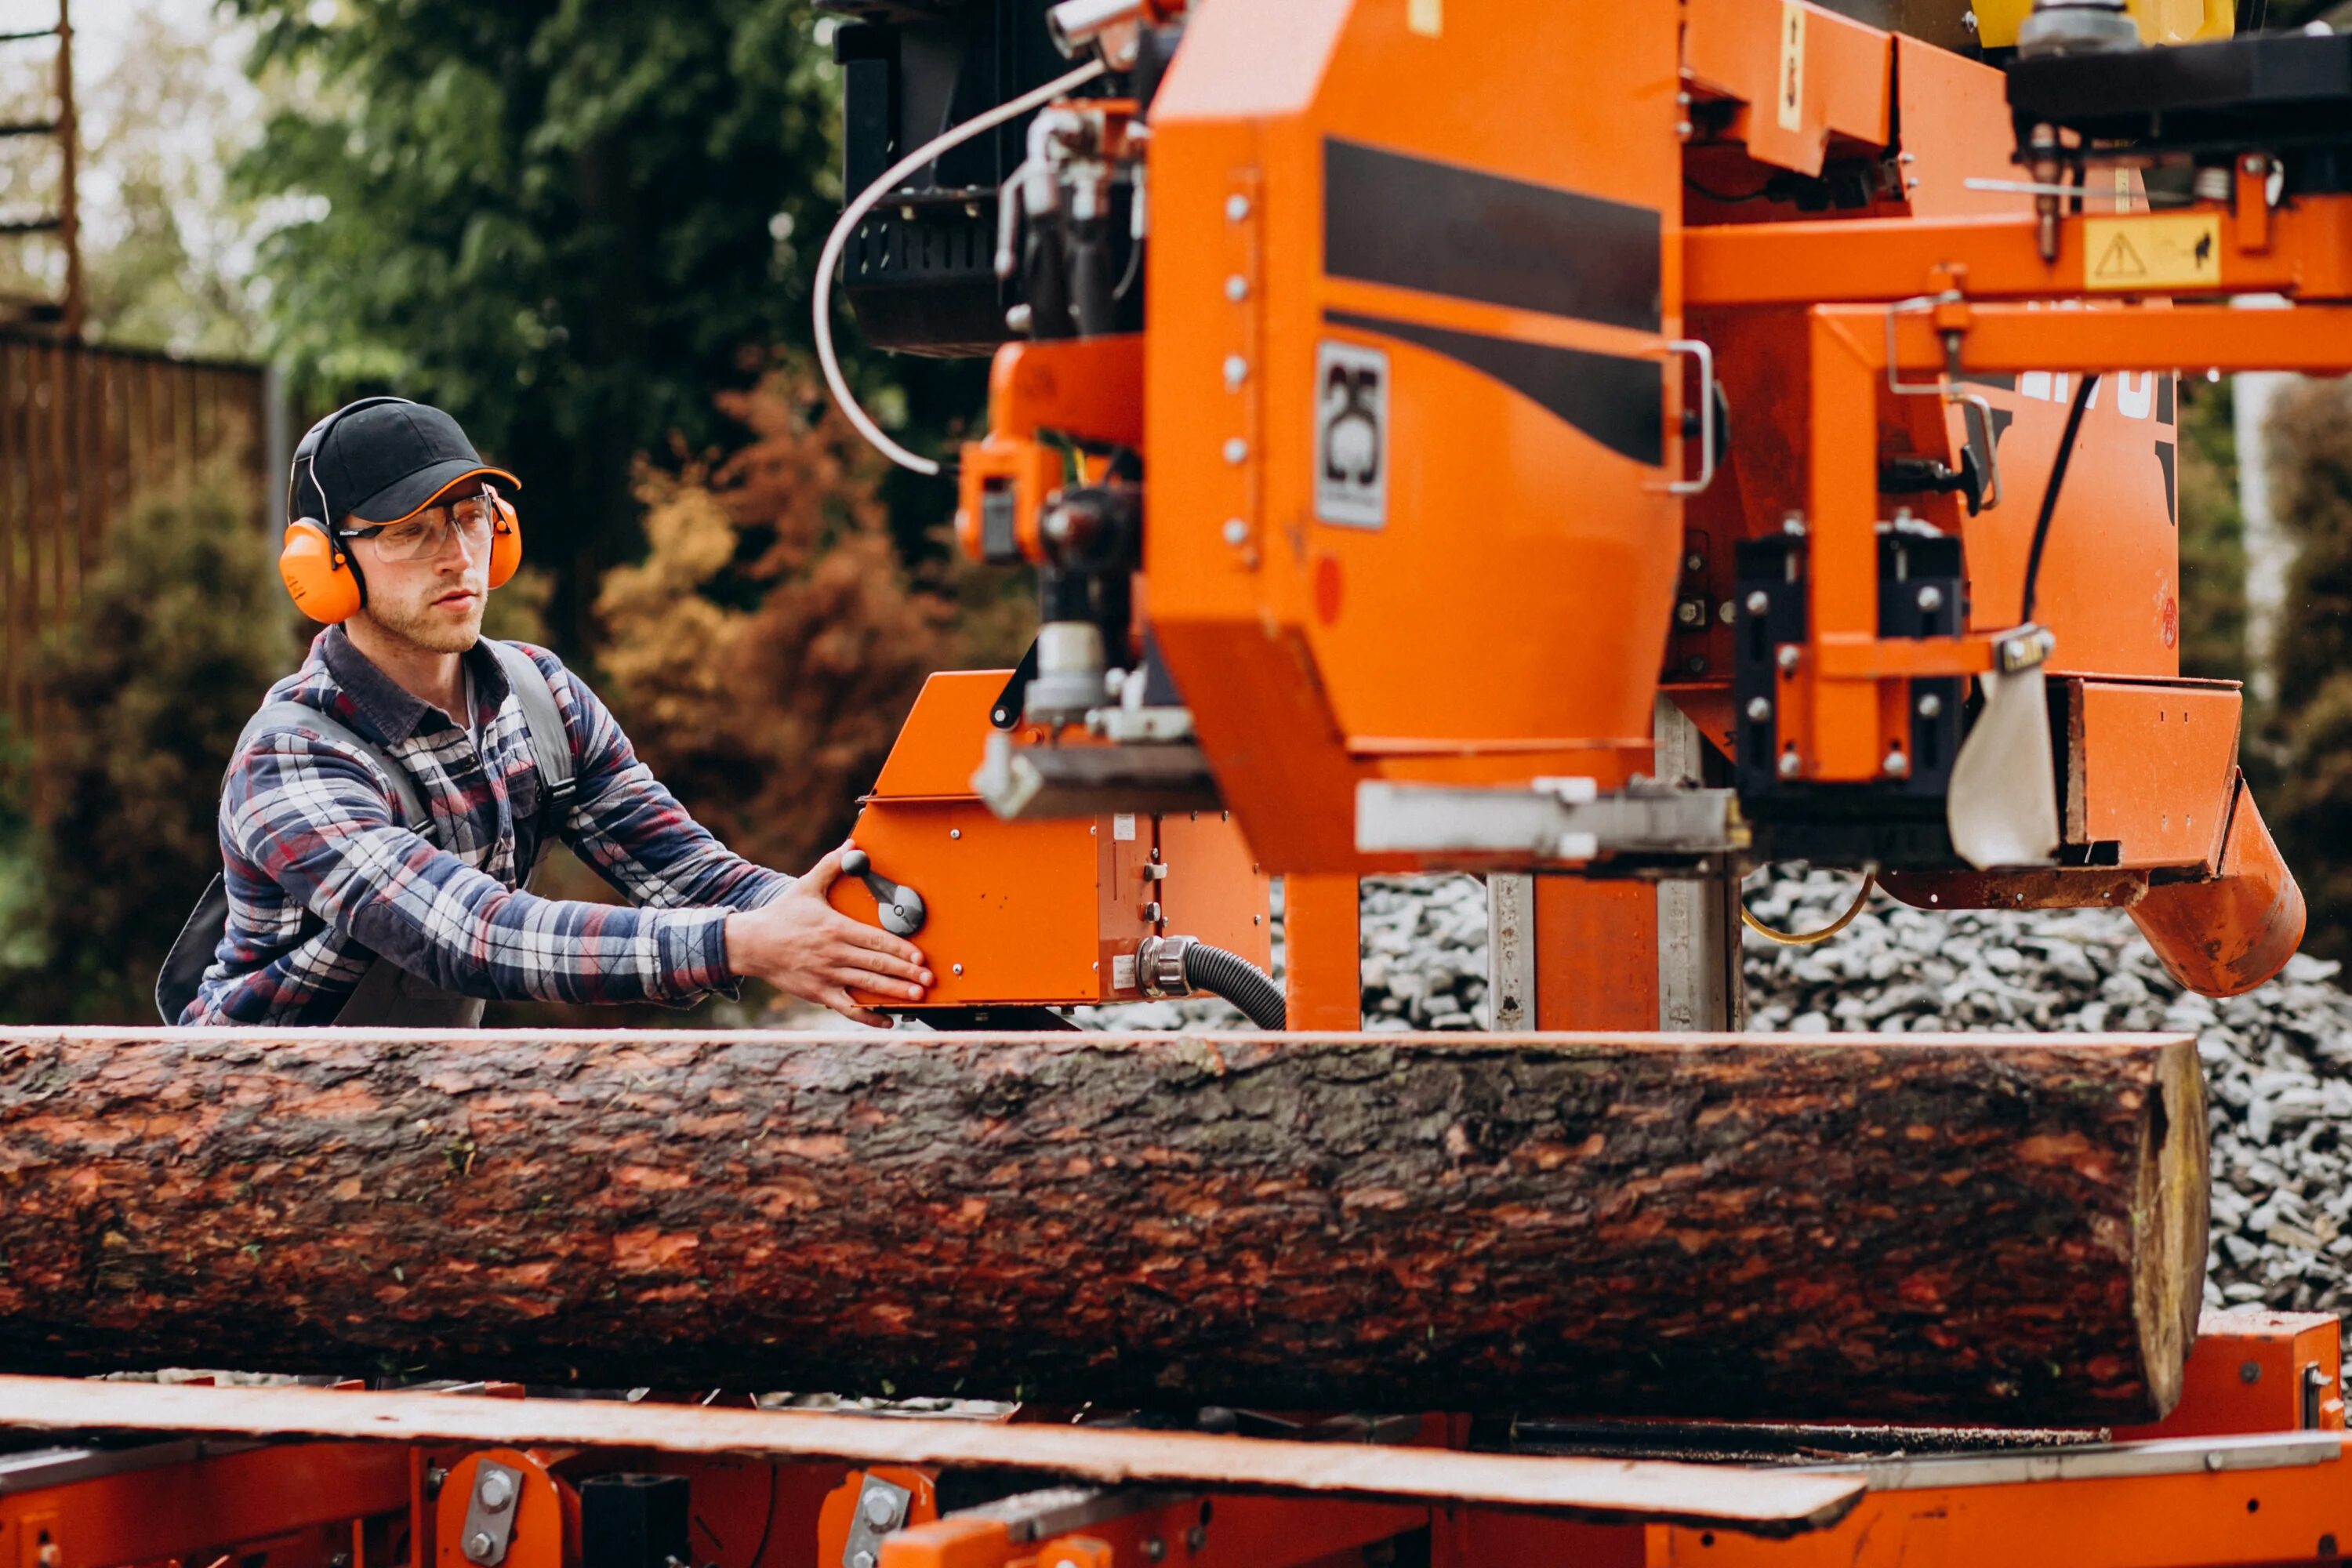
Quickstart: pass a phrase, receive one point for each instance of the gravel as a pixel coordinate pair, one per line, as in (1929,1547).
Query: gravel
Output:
(2278,1062)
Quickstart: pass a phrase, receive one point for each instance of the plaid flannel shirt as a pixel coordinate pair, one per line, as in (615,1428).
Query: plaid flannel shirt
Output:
(323,875)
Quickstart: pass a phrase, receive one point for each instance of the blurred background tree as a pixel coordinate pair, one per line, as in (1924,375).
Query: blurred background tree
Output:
(175,641)
(2212,535)
(568,222)
(2309,805)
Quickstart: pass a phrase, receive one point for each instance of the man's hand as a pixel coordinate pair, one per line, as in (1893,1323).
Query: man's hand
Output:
(804,947)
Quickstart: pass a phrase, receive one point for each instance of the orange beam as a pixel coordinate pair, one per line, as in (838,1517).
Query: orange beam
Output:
(2316,338)
(1323,951)
(2304,250)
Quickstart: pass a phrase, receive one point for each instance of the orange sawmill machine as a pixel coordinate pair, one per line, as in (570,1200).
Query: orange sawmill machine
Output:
(1598,446)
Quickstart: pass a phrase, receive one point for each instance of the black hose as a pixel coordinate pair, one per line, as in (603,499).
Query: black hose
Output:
(2050,494)
(1238,980)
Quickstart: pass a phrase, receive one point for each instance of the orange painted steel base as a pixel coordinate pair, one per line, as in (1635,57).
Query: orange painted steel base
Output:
(2258,1371)
(1039,913)
(1323,949)
(1596,954)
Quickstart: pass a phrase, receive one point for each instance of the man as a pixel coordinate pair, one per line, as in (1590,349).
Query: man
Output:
(344,909)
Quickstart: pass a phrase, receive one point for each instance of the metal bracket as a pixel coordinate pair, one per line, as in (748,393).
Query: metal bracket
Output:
(899,906)
(490,1509)
(881,1509)
(1554,819)
(1706,430)
(1947,383)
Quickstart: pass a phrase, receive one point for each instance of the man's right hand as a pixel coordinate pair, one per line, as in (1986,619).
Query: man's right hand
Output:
(804,947)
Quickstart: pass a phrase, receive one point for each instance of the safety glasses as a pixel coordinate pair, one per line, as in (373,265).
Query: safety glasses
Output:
(426,533)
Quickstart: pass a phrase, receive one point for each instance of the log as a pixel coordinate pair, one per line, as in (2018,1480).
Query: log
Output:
(2001,1229)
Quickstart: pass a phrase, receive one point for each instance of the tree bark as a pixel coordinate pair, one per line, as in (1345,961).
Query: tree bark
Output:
(2005,1229)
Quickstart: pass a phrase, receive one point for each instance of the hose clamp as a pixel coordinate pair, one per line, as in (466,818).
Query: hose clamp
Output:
(1160,965)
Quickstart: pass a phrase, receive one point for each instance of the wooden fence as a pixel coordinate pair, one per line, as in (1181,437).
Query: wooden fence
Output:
(82,430)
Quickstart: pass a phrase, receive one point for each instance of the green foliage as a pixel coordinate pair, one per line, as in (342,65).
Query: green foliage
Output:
(2311,437)
(567,222)
(143,692)
(2212,536)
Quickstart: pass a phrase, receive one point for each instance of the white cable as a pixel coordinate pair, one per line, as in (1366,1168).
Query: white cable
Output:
(854,212)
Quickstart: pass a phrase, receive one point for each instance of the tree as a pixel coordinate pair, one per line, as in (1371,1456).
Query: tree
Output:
(2212,537)
(764,652)
(568,222)
(2312,494)
(168,653)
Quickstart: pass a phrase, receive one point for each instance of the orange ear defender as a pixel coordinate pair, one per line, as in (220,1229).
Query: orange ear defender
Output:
(506,540)
(317,571)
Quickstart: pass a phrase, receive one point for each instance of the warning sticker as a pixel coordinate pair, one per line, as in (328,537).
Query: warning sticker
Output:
(2152,253)
(1788,92)
(1351,435)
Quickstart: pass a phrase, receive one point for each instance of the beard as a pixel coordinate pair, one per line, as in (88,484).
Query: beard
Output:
(413,620)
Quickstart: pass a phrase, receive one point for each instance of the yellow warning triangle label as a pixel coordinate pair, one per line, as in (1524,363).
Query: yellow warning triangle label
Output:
(2119,261)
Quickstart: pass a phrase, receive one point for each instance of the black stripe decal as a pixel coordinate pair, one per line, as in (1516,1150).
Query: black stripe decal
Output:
(1413,224)
(1617,401)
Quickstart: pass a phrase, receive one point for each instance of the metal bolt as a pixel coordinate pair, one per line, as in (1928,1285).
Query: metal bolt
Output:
(497,1489)
(1154,1549)
(1790,764)
(1896,763)
(1693,561)
(2250,1372)
(49,1555)
(1930,705)
(1792,523)
(1152,910)
(881,1509)
(2213,1458)
(2252,163)
(1725,612)
(1237,530)
(1931,598)
(1759,709)
(1790,654)
(435,1476)
(1237,288)
(1690,612)
(955,833)
(1236,207)
(1759,601)
(955,969)
(1236,450)
(1695,665)
(1907,157)
(861,1559)
(478,1545)
(1683,129)
(1196,1538)
(1236,371)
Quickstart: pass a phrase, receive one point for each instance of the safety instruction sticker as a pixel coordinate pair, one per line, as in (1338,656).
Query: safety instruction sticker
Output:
(1351,435)
(1788,92)
(2152,253)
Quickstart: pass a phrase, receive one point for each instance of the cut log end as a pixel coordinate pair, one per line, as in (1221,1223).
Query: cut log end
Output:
(2171,1214)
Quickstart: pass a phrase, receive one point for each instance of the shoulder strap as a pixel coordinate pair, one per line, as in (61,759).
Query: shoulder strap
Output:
(291,715)
(550,743)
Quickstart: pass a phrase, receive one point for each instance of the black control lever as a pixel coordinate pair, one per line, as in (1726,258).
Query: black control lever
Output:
(901,907)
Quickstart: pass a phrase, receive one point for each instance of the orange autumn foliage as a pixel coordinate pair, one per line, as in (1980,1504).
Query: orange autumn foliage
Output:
(765,651)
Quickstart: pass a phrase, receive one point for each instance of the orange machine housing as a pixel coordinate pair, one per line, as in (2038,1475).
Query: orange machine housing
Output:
(1040,912)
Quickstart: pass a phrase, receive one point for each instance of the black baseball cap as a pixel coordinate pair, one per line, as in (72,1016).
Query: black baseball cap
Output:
(383,461)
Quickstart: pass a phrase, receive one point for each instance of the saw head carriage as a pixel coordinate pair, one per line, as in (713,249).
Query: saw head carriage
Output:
(1415,448)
